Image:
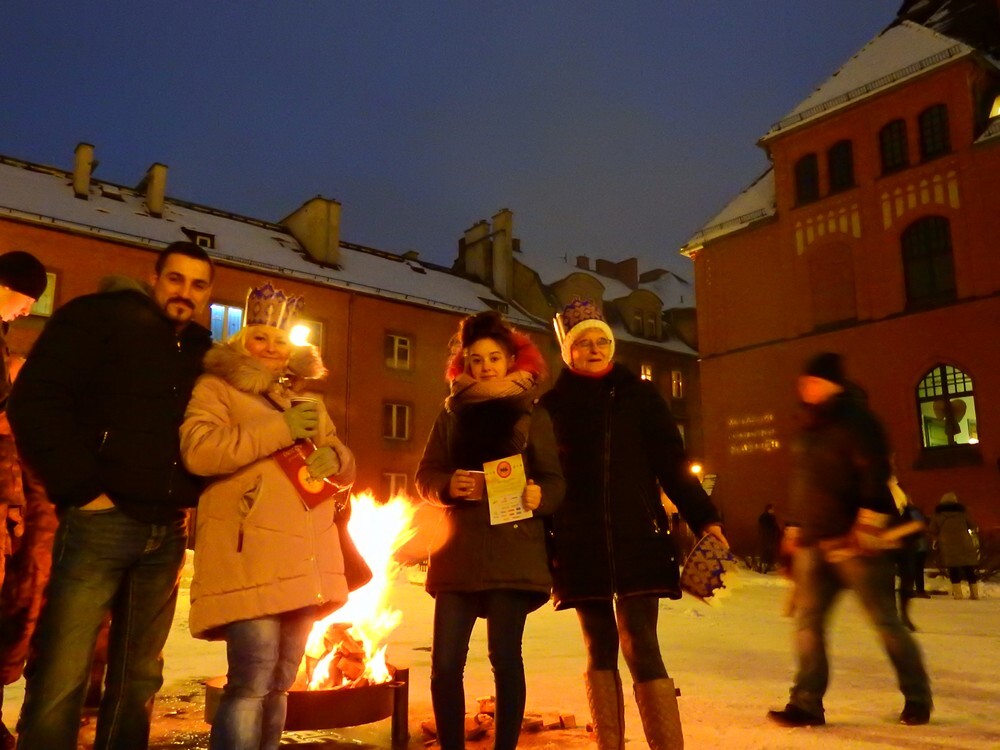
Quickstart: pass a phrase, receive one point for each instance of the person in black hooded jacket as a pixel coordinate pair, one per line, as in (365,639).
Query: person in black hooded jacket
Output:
(611,551)
(497,571)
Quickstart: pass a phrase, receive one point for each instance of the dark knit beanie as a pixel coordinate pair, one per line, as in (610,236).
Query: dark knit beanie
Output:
(22,272)
(827,366)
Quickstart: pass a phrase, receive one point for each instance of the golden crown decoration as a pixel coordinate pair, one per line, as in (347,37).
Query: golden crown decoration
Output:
(575,312)
(267,306)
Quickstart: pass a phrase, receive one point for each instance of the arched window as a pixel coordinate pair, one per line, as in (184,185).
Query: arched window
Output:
(806,179)
(946,408)
(927,262)
(893,147)
(840,163)
(934,137)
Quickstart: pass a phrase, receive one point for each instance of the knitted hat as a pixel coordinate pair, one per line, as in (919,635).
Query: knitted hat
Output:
(577,317)
(948,498)
(267,306)
(23,273)
(827,366)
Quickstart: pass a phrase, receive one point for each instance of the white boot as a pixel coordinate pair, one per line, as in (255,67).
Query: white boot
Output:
(956,591)
(974,590)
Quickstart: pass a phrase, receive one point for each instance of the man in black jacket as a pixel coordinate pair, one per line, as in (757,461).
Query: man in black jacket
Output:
(840,507)
(96,410)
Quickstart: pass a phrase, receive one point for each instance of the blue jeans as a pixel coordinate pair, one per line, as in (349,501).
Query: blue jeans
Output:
(102,561)
(455,615)
(264,655)
(817,584)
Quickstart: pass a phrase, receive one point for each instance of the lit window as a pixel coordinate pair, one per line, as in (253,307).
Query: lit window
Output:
(226,321)
(927,262)
(396,421)
(646,372)
(397,351)
(893,147)
(934,138)
(676,384)
(995,109)
(806,179)
(201,239)
(840,161)
(395,484)
(946,408)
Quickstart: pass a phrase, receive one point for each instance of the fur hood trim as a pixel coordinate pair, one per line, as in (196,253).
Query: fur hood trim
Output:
(247,374)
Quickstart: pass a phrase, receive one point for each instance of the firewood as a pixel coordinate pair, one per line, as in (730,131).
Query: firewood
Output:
(532,723)
(487,705)
(568,721)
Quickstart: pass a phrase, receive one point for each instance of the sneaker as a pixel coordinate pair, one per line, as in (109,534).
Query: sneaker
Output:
(793,716)
(915,714)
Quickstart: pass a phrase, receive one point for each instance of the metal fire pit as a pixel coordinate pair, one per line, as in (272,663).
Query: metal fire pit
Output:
(343,707)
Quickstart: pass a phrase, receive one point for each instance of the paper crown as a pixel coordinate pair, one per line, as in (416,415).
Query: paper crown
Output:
(576,317)
(267,306)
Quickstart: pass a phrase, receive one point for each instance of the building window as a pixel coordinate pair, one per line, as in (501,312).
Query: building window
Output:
(637,322)
(395,484)
(806,179)
(396,421)
(201,239)
(893,147)
(840,162)
(676,384)
(934,138)
(397,351)
(651,326)
(927,262)
(946,408)
(682,429)
(646,372)
(226,321)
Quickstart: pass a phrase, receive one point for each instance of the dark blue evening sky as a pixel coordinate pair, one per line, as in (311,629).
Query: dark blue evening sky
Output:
(609,128)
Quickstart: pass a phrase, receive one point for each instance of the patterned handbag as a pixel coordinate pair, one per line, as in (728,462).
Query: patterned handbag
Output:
(704,567)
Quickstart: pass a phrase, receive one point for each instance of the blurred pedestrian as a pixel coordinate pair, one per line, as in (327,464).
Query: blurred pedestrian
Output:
(612,555)
(957,544)
(96,411)
(268,561)
(841,504)
(768,538)
(911,554)
(495,571)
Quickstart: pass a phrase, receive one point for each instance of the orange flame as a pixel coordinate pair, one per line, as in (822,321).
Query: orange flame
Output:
(367,619)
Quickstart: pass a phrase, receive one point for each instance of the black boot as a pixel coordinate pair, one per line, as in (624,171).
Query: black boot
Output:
(904,612)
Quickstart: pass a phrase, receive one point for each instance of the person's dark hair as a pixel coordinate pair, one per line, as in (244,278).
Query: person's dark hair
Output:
(187,249)
(487,325)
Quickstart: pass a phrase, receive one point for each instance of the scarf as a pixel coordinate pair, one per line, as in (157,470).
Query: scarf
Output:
(467,390)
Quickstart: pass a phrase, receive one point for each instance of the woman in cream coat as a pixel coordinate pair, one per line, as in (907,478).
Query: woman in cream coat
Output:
(266,567)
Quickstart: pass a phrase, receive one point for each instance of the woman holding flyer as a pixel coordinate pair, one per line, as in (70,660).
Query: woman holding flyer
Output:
(267,556)
(613,557)
(495,570)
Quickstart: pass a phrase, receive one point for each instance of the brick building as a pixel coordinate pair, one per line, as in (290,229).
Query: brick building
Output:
(873,234)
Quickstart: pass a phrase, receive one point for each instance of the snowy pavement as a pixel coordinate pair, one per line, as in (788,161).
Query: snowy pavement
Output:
(732,661)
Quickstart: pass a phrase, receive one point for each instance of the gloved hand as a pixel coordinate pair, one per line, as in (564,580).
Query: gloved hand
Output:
(323,462)
(302,420)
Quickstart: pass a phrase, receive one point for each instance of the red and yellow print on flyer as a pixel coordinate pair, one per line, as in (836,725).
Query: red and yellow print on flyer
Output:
(292,460)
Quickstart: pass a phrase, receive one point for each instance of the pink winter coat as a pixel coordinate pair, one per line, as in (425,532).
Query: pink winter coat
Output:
(258,550)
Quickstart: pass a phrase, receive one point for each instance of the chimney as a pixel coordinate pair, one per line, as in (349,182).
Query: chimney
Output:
(503,253)
(474,251)
(154,185)
(83,167)
(627,272)
(316,226)
(582,261)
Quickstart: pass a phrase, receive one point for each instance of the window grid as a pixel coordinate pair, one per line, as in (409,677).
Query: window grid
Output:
(397,351)
(396,424)
(927,260)
(893,146)
(946,408)
(840,159)
(226,321)
(934,139)
(676,384)
(646,372)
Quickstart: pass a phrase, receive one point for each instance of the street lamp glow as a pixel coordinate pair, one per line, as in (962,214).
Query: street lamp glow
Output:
(696,468)
(299,335)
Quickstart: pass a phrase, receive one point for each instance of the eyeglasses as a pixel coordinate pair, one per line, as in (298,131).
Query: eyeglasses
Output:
(601,343)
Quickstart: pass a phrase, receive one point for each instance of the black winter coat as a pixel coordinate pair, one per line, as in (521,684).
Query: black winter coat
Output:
(99,403)
(841,457)
(475,556)
(611,537)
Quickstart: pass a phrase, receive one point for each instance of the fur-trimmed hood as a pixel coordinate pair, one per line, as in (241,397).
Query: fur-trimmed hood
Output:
(247,374)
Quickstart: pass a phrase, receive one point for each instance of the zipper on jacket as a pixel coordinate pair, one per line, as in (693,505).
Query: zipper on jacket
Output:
(239,538)
(608,415)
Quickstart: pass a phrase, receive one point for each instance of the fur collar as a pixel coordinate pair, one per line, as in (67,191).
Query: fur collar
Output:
(247,374)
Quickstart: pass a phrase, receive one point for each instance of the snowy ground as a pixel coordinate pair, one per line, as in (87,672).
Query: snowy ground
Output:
(732,661)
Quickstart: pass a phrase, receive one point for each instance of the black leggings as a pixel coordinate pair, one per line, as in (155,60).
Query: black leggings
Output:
(632,623)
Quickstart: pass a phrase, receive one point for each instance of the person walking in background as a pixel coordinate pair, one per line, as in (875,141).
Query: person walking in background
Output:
(495,571)
(267,563)
(612,555)
(840,503)
(957,546)
(911,554)
(22,281)
(768,538)
(96,411)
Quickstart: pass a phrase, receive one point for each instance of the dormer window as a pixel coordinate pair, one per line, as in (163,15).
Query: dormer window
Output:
(201,239)
(995,109)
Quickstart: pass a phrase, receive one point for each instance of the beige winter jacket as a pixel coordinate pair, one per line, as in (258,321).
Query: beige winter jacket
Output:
(258,550)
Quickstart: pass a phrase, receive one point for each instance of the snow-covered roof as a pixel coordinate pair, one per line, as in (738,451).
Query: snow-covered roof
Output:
(45,195)
(756,202)
(898,53)
(551,269)
(992,131)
